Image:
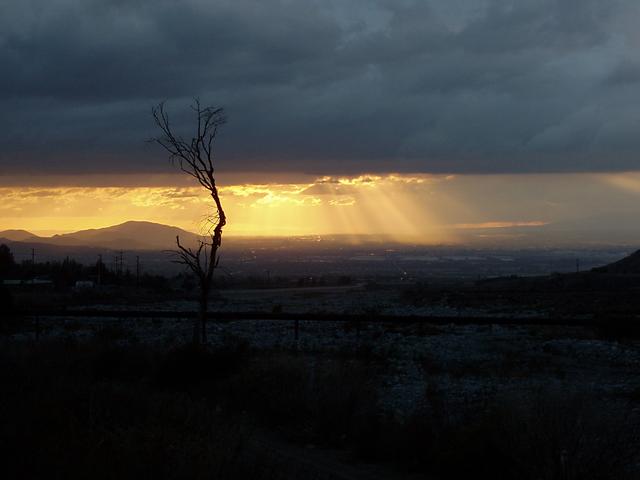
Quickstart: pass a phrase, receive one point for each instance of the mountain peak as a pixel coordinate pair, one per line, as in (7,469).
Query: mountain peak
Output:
(16,235)
(130,235)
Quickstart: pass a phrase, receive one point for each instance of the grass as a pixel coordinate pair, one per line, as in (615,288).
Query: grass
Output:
(71,410)
(106,409)
(310,399)
(618,327)
(547,435)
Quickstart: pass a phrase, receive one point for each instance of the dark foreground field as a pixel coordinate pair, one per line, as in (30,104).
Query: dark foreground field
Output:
(502,405)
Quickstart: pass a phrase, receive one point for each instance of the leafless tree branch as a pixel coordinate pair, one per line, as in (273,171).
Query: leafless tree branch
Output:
(195,158)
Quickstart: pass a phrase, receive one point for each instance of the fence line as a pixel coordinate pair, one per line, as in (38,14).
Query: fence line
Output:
(337,317)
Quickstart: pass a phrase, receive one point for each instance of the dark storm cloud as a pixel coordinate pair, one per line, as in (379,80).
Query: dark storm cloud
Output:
(316,86)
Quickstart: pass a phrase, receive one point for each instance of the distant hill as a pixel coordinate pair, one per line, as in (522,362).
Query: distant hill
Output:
(131,235)
(629,265)
(18,235)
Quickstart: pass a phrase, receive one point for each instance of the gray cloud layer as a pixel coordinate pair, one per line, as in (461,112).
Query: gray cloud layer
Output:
(320,85)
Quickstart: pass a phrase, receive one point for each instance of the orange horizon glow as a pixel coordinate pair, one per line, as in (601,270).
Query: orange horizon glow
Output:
(429,209)
(361,205)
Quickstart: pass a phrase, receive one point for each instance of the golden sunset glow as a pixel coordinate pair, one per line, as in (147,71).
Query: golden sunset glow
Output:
(357,205)
(417,208)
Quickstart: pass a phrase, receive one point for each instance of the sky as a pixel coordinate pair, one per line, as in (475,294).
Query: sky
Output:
(440,115)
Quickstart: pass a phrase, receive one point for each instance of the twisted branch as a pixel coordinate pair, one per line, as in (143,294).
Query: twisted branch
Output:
(195,158)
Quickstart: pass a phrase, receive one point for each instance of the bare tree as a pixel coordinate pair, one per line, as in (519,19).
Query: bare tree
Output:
(195,157)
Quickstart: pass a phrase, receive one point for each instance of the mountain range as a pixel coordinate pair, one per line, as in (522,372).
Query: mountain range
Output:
(132,235)
(143,235)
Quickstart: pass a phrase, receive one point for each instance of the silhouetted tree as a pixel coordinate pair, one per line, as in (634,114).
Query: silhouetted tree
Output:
(195,158)
(7,263)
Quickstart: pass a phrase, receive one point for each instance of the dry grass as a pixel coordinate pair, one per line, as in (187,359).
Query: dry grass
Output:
(102,410)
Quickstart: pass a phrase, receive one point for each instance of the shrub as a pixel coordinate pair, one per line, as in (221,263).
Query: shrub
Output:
(551,434)
(312,399)
(613,327)
(64,416)
(190,366)
(8,318)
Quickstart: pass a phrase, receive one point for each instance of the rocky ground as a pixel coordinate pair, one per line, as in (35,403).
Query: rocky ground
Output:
(452,370)
(465,364)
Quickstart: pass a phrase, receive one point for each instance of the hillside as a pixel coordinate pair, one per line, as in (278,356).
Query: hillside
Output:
(629,265)
(19,236)
(131,235)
